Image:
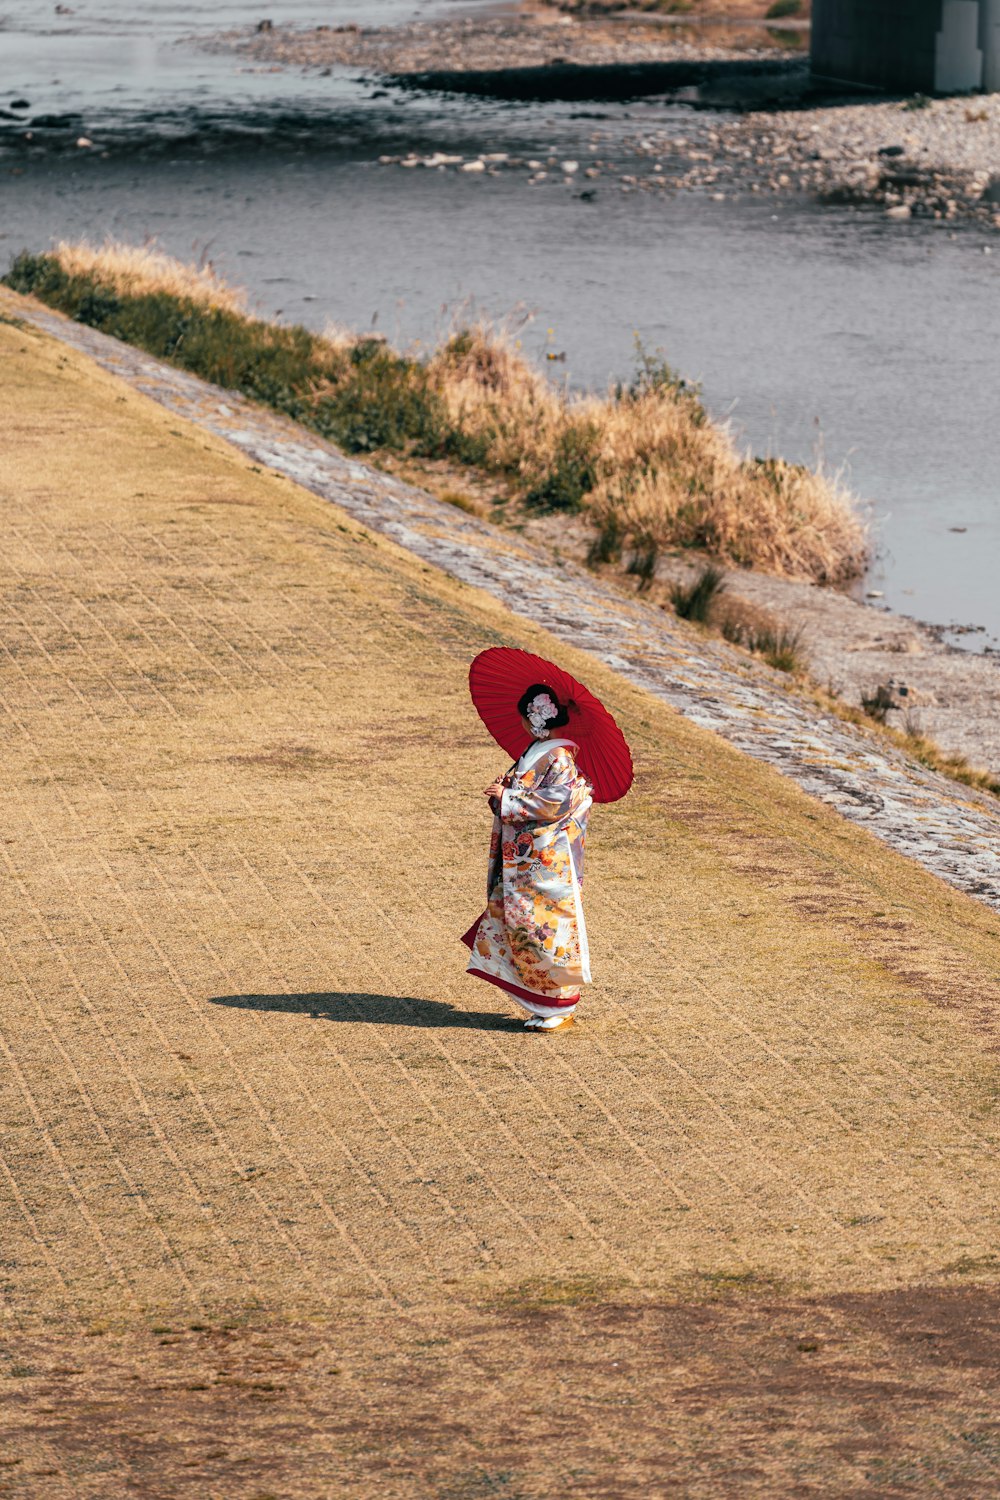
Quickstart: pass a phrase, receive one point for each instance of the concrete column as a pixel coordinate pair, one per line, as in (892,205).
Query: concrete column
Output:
(958,58)
(887,44)
(989,42)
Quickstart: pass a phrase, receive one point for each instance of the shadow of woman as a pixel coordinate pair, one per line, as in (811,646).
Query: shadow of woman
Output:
(383,1010)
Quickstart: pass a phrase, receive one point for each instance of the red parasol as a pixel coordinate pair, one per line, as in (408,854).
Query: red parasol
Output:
(498,678)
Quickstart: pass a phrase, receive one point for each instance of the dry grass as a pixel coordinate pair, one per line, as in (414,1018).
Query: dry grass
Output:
(694,490)
(135,269)
(911,739)
(656,467)
(643,461)
(950,763)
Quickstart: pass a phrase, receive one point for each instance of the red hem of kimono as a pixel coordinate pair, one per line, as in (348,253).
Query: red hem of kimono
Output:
(468,938)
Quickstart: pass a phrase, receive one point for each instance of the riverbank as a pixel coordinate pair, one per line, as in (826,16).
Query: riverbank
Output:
(942,701)
(895,669)
(528,38)
(910,158)
(838,755)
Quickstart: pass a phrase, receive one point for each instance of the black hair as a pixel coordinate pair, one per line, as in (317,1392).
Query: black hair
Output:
(561,718)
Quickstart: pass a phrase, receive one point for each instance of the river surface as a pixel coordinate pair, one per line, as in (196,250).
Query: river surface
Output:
(816,331)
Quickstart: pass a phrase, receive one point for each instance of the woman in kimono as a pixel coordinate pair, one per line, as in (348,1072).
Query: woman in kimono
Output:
(531,940)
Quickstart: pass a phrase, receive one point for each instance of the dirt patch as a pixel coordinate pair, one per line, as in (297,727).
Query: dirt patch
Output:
(893,1395)
(539,39)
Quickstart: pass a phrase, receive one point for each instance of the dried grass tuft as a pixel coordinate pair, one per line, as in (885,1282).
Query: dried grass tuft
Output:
(135,270)
(648,465)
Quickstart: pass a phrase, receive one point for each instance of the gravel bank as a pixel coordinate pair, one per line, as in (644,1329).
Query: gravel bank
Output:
(471,44)
(911,158)
(914,158)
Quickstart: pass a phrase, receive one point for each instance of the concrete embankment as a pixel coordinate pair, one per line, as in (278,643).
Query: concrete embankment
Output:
(610,81)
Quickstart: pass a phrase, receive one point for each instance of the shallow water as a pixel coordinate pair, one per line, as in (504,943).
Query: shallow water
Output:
(125,67)
(880,342)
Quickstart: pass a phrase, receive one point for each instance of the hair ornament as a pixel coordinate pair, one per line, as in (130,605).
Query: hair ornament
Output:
(540,710)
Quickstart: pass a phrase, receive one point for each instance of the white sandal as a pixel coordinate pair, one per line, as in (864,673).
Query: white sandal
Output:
(549,1023)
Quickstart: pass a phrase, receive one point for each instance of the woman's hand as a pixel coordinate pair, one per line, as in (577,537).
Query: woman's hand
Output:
(495,789)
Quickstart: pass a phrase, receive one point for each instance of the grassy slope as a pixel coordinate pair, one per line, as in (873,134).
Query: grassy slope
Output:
(646,464)
(242,763)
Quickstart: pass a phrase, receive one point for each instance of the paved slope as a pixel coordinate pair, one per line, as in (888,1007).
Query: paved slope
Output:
(245,1081)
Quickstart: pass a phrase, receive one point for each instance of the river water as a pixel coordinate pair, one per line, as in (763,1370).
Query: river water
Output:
(825,332)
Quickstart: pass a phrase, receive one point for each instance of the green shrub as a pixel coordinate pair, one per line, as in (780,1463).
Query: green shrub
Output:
(653,375)
(385,401)
(607,544)
(783,8)
(877,703)
(779,646)
(694,601)
(573,474)
(366,398)
(266,362)
(642,563)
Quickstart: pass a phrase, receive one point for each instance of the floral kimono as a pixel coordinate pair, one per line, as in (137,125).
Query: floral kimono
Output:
(531,939)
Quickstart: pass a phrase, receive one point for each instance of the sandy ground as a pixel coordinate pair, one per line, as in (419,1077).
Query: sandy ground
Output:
(468,43)
(290,1205)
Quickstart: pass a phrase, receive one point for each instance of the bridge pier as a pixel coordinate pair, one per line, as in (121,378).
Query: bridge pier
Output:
(908,46)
